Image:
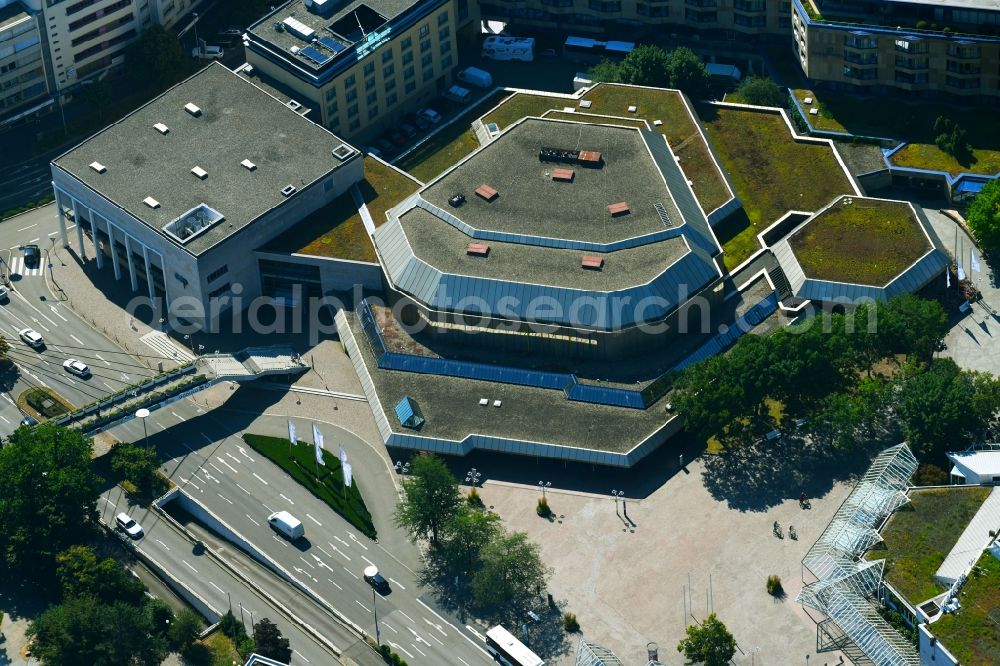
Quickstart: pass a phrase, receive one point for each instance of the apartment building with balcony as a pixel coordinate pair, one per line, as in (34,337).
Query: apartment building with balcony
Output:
(23,85)
(362,65)
(946,49)
(743,20)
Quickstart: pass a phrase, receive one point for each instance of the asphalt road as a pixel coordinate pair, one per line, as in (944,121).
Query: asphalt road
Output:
(204,455)
(31,305)
(220,588)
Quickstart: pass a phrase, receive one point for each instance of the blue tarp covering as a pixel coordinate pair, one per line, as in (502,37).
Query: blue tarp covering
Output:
(970,186)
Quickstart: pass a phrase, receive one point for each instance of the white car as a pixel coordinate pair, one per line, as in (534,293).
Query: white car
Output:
(208,53)
(75,367)
(430,115)
(32,338)
(125,523)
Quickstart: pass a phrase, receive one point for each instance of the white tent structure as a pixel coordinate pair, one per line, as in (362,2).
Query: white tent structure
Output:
(847,584)
(592,654)
(977,465)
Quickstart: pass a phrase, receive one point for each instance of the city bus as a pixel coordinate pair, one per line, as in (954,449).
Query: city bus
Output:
(507,650)
(584,49)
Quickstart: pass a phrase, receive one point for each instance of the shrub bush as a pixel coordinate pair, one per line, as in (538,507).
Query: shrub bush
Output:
(930,475)
(474,499)
(542,509)
(774,585)
(569,623)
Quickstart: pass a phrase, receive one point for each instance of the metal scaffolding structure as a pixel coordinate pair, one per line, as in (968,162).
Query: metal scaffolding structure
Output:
(592,654)
(847,585)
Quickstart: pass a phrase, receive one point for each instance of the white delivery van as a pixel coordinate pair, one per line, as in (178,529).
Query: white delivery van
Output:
(286,524)
(474,76)
(509,48)
(458,94)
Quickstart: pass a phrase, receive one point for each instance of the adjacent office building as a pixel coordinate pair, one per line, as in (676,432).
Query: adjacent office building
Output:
(176,196)
(363,64)
(23,85)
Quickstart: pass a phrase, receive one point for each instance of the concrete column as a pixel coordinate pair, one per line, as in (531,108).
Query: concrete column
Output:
(79,230)
(149,274)
(114,254)
(62,219)
(131,264)
(97,243)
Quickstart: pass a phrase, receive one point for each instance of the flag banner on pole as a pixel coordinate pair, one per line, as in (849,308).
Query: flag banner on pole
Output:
(318,444)
(348,474)
(291,433)
(961,272)
(974,263)
(343,456)
(947,277)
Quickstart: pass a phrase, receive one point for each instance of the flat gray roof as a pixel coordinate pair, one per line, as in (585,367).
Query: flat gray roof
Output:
(343,34)
(531,203)
(11,14)
(985,5)
(238,121)
(444,247)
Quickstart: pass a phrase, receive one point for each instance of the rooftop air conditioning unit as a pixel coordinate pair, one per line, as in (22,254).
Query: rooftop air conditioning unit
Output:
(192,109)
(98,167)
(161,128)
(288,190)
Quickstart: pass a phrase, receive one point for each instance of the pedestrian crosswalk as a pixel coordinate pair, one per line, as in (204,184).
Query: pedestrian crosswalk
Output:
(17,267)
(164,346)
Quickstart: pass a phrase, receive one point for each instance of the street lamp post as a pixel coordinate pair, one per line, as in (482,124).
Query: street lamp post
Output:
(472,477)
(616,494)
(543,485)
(378,636)
(142,415)
(402,468)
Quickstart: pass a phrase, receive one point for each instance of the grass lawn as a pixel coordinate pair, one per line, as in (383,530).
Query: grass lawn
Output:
(866,242)
(771,173)
(336,230)
(300,464)
(520,105)
(221,650)
(44,403)
(972,635)
(584,118)
(449,145)
(919,536)
(914,123)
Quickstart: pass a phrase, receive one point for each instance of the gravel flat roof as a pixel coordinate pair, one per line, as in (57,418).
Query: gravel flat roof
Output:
(444,247)
(237,121)
(530,202)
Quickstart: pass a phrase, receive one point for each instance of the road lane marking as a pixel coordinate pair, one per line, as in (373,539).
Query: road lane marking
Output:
(436,626)
(314,520)
(4,418)
(302,655)
(341,552)
(267,507)
(102,358)
(163,544)
(216,587)
(224,497)
(78,340)
(126,377)
(243,452)
(335,584)
(363,606)
(219,458)
(282,495)
(440,642)
(207,438)
(398,584)
(110,387)
(307,562)
(402,649)
(56,313)
(261,480)
(279,541)
(355,540)
(462,660)
(325,552)
(230,455)
(389,626)
(418,649)
(341,541)
(420,639)
(189,482)
(179,417)
(161,426)
(352,573)
(406,616)
(369,561)
(25,229)
(189,566)
(212,465)
(252,520)
(35,240)
(244,489)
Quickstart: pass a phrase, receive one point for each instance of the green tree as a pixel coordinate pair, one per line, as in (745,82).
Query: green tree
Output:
(710,643)
(983,216)
(762,91)
(184,630)
(469,532)
(431,498)
(646,65)
(906,324)
(512,576)
(951,138)
(687,73)
(138,464)
(49,497)
(607,71)
(82,630)
(269,642)
(245,12)
(156,60)
(82,573)
(97,95)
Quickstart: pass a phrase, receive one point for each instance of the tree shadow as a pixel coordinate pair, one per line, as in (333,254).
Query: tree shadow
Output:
(760,475)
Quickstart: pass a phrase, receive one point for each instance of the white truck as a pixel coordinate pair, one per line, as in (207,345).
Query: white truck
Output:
(476,77)
(458,94)
(496,47)
(286,524)
(207,53)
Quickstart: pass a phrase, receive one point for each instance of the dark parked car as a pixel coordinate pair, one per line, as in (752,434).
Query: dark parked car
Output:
(32,256)
(385,146)
(409,130)
(397,138)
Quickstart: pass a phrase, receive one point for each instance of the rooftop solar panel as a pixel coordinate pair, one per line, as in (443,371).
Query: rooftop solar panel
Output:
(317,57)
(332,44)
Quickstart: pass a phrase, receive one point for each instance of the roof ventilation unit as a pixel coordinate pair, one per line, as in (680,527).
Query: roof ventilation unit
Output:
(342,152)
(298,28)
(617,209)
(192,109)
(591,262)
(248,165)
(201,173)
(563,175)
(487,192)
(151,202)
(98,167)
(293,105)
(288,190)
(161,128)
(478,250)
